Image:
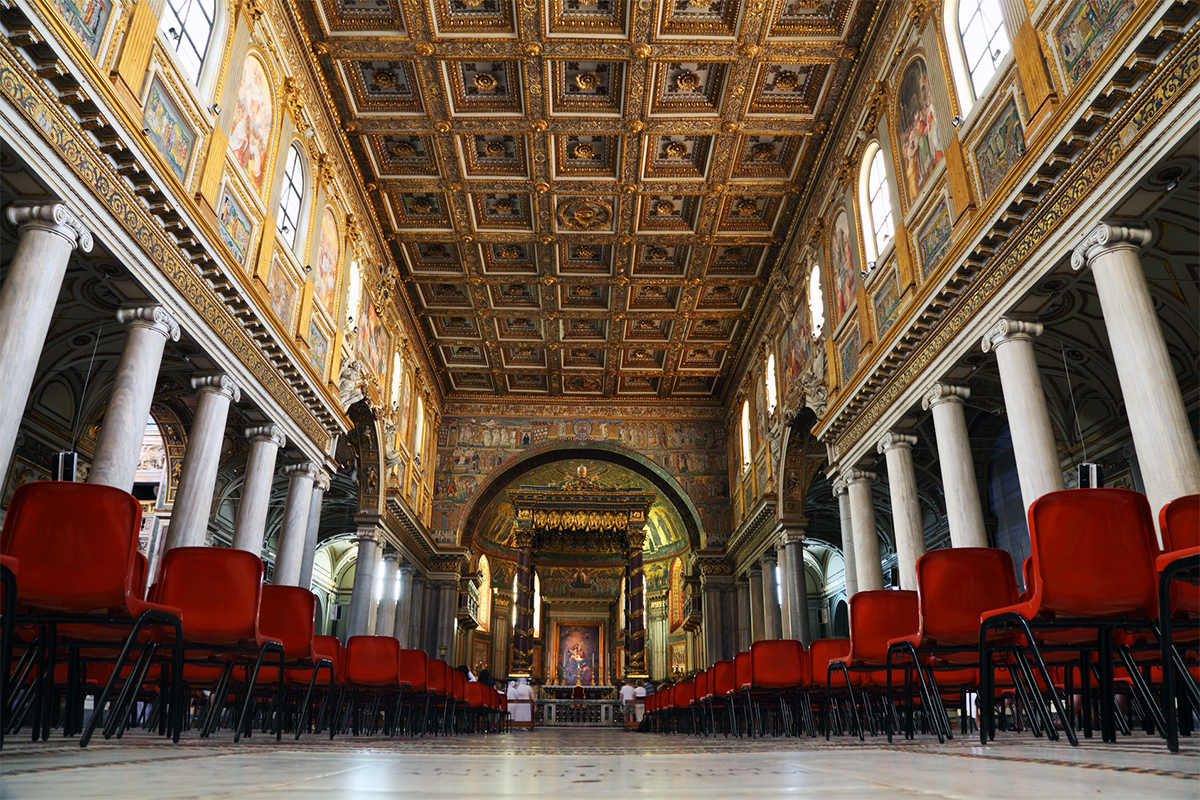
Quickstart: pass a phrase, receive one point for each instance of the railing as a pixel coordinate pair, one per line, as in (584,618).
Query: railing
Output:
(578,713)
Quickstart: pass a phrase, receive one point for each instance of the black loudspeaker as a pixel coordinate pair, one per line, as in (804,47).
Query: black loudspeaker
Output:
(64,466)
(1090,476)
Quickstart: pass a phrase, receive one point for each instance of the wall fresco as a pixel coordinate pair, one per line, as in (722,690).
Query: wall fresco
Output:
(1086,31)
(166,129)
(1002,147)
(933,240)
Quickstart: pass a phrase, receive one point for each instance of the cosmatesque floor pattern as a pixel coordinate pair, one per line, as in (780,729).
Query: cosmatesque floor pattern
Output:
(565,763)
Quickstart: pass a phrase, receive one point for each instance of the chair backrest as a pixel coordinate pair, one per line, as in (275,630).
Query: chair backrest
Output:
(460,685)
(218,590)
(877,617)
(1179,522)
(288,615)
(414,669)
(722,678)
(329,647)
(821,652)
(373,660)
(76,543)
(777,663)
(685,693)
(435,676)
(1093,552)
(702,685)
(743,669)
(956,585)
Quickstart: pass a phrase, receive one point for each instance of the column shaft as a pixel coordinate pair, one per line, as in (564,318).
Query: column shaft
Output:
(1162,436)
(1038,467)
(290,552)
(447,612)
(758,618)
(401,626)
(866,539)
(772,621)
(364,584)
(849,570)
(119,445)
(250,526)
(416,614)
(48,235)
(796,589)
(964,512)
(637,610)
(745,634)
(523,632)
(385,619)
(713,629)
(906,505)
(313,532)
(785,610)
(198,477)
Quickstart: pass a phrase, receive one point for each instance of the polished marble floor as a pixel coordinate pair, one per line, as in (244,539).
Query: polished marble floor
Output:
(594,763)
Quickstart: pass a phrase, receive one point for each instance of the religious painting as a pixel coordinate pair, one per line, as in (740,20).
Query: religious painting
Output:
(372,340)
(678,658)
(481,657)
(886,301)
(235,227)
(676,594)
(405,405)
(849,352)
(841,272)
(1000,149)
(325,274)
(933,240)
(318,348)
(87,18)
(1086,31)
(485,595)
(579,653)
(920,145)
(796,343)
(282,294)
(250,140)
(167,131)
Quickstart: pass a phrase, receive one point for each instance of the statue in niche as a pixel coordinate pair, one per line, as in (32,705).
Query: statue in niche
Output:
(350,383)
(812,383)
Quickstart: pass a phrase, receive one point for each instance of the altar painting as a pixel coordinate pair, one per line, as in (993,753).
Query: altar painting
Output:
(579,653)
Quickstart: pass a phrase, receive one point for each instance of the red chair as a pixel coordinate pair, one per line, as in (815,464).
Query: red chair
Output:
(954,586)
(373,666)
(876,618)
(682,698)
(723,685)
(821,652)
(9,567)
(414,671)
(777,669)
(440,686)
(288,615)
(458,690)
(698,703)
(1179,523)
(76,547)
(218,591)
(1093,553)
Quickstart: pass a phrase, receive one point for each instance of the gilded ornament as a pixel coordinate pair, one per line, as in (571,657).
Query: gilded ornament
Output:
(494,149)
(320,48)
(510,251)
(422,206)
(699,3)
(730,126)
(635,125)
(747,207)
(403,150)
(425,49)
(485,82)
(541,187)
(587,81)
(687,81)
(442,126)
(538,125)
(664,207)
(717,188)
(656,254)
(641,50)
(583,150)
(628,188)
(504,206)
(545,238)
(532,49)
(787,81)
(748,50)
(585,251)
(762,152)
(384,79)
(676,150)
(585,213)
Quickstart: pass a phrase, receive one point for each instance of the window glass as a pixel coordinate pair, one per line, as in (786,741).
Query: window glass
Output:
(291,197)
(880,202)
(772,388)
(745,435)
(816,301)
(188,27)
(984,40)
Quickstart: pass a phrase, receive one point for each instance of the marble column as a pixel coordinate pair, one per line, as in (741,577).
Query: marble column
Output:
(501,623)
(290,553)
(714,632)
(523,631)
(906,504)
(785,617)
(772,621)
(758,624)
(745,634)
(795,585)
(400,626)
(1158,422)
(1038,468)
(447,614)
(250,526)
(850,573)
(373,603)
(363,593)
(385,619)
(866,539)
(636,646)
(416,613)
(47,236)
(312,532)
(964,511)
(198,478)
(119,445)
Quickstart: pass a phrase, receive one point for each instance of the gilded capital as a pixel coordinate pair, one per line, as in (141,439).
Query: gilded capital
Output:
(1106,237)
(892,440)
(219,383)
(266,433)
(54,218)
(1007,329)
(155,318)
(940,393)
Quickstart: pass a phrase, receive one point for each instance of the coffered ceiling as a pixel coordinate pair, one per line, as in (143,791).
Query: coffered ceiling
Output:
(586,196)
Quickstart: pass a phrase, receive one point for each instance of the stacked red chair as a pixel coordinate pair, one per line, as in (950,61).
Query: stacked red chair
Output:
(1179,523)
(778,677)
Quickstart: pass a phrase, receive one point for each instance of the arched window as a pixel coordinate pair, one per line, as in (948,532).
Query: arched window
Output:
(978,42)
(485,595)
(353,297)
(772,387)
(291,197)
(537,606)
(188,27)
(397,370)
(875,201)
(419,430)
(816,301)
(745,435)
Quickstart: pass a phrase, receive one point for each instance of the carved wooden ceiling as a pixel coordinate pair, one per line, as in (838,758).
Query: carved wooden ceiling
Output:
(587,196)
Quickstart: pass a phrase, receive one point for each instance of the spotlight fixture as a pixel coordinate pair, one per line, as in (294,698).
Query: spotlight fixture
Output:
(957,121)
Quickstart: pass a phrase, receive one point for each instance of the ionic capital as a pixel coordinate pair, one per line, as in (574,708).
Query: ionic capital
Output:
(854,476)
(1105,237)
(55,218)
(405,568)
(1007,329)
(940,393)
(368,535)
(219,383)
(322,481)
(391,555)
(154,318)
(265,434)
(769,557)
(839,486)
(893,440)
(305,469)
